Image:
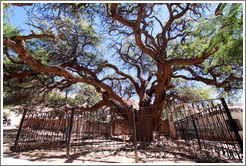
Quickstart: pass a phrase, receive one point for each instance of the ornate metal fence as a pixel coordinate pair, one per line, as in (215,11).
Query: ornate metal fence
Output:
(208,127)
(196,130)
(100,133)
(42,130)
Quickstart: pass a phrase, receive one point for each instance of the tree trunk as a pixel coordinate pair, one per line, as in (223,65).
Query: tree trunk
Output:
(146,124)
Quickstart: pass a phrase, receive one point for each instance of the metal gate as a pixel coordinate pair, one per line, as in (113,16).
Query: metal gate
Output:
(42,130)
(208,127)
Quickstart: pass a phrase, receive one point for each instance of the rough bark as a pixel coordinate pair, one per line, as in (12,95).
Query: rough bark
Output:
(149,114)
(148,120)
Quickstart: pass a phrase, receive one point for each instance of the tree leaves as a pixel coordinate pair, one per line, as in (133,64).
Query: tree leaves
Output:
(187,44)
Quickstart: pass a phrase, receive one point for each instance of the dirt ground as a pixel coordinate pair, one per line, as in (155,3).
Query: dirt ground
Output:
(58,156)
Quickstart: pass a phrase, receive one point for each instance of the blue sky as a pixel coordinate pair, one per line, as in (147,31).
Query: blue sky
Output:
(20,18)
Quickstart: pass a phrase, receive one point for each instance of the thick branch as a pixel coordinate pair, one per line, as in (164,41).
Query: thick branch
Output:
(192,61)
(135,63)
(134,25)
(21,76)
(123,74)
(112,78)
(22,4)
(95,107)
(224,84)
(34,36)
(217,11)
(20,48)
(119,18)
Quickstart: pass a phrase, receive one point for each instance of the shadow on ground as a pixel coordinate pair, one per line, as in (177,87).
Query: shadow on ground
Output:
(59,155)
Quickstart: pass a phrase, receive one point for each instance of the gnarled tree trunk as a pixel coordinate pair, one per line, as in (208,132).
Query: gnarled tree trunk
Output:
(146,124)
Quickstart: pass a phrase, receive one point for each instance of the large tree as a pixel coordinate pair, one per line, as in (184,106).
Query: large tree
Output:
(153,46)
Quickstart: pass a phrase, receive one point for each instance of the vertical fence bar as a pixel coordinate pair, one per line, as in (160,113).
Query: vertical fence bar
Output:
(240,142)
(229,138)
(19,131)
(134,135)
(70,133)
(196,132)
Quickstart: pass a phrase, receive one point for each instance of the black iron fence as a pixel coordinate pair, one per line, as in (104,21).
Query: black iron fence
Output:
(189,129)
(101,133)
(209,128)
(42,130)
(82,131)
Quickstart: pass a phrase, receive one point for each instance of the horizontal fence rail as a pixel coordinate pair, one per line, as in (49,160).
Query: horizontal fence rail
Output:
(199,130)
(207,128)
(41,130)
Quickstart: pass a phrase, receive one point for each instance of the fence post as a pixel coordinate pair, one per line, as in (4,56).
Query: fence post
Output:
(70,133)
(19,131)
(239,140)
(134,135)
(172,126)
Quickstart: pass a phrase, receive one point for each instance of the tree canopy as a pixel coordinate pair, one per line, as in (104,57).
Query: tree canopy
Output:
(142,51)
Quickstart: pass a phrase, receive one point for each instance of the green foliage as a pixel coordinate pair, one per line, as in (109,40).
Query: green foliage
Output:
(79,49)
(14,92)
(225,32)
(191,91)
(20,94)
(54,98)
(77,43)
(231,96)
(7,11)
(86,94)
(9,30)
